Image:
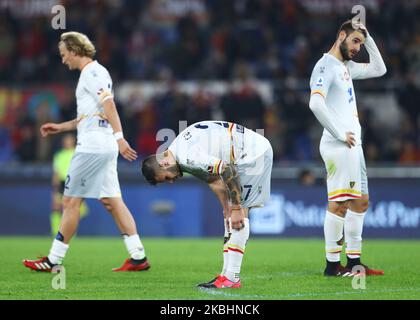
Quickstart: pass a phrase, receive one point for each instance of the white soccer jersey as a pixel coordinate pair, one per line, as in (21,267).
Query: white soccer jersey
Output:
(94,133)
(203,148)
(332,79)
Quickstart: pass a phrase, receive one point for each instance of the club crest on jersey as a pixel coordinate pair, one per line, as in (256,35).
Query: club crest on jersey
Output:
(346,75)
(352,183)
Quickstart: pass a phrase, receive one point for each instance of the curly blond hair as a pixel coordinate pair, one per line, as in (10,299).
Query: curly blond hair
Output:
(78,43)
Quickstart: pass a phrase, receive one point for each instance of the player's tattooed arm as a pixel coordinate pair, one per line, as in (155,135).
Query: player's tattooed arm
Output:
(231,178)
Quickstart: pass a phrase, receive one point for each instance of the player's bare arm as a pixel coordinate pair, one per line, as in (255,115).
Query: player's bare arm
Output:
(54,128)
(113,118)
(220,190)
(231,178)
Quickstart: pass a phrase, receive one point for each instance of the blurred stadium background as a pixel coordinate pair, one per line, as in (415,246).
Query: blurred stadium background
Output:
(245,61)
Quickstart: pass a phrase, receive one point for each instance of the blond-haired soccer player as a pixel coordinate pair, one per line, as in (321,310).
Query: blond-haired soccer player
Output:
(93,168)
(333,102)
(236,164)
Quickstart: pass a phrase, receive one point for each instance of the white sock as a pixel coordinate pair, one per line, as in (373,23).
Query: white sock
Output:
(57,252)
(333,233)
(353,227)
(225,249)
(134,246)
(236,248)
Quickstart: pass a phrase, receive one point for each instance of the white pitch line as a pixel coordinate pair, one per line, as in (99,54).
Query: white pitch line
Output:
(216,292)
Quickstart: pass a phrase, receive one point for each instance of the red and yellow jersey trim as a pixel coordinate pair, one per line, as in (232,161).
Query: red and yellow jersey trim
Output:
(232,152)
(344,193)
(319,92)
(218,167)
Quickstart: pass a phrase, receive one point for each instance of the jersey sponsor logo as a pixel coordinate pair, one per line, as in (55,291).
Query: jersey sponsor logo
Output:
(240,128)
(103,123)
(350,91)
(320,82)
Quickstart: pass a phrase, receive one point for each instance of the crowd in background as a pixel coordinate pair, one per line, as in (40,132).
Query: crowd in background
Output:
(234,41)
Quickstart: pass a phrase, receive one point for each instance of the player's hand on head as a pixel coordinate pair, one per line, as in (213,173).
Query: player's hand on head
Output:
(126,151)
(49,128)
(350,140)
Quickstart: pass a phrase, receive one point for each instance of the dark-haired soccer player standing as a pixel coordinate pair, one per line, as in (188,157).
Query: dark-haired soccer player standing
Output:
(333,102)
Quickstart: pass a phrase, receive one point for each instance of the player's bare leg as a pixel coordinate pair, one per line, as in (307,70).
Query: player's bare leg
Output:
(71,217)
(68,227)
(127,225)
(121,214)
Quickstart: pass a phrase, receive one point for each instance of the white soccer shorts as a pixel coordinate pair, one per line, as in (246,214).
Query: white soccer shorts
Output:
(346,170)
(93,175)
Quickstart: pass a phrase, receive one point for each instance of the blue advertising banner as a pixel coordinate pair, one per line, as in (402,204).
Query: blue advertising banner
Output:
(190,209)
(295,210)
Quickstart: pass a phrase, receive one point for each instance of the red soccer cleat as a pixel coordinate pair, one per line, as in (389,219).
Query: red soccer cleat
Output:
(43,264)
(134,265)
(368,271)
(209,284)
(221,283)
(339,271)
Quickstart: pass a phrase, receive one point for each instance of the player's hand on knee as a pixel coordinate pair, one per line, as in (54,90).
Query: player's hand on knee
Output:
(126,151)
(350,140)
(237,218)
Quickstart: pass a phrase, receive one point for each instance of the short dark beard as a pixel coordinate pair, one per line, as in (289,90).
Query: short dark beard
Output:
(344,49)
(175,169)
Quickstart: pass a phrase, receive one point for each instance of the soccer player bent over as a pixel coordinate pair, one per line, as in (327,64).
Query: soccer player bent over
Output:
(333,102)
(236,164)
(93,169)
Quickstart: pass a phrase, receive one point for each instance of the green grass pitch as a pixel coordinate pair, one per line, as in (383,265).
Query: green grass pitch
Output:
(273,269)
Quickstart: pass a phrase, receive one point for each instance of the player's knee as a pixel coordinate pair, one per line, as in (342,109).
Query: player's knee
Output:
(338,208)
(67,203)
(107,204)
(360,206)
(365,205)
